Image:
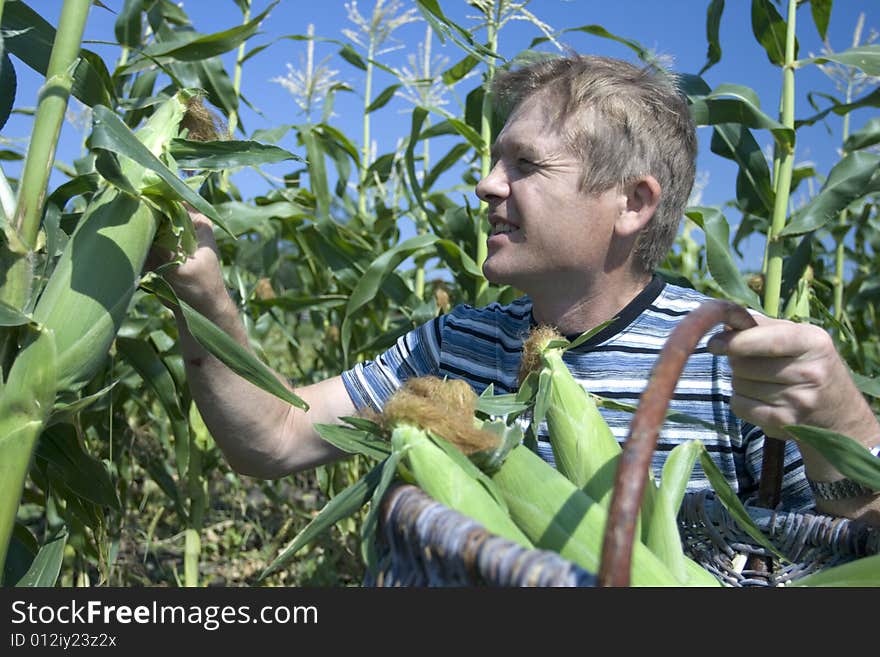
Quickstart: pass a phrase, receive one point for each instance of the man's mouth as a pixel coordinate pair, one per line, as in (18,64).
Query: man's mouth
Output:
(502,227)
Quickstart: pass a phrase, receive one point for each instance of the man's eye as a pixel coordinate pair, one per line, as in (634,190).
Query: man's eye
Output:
(524,163)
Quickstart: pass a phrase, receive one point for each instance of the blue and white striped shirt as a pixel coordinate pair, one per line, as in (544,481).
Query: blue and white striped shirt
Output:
(484,345)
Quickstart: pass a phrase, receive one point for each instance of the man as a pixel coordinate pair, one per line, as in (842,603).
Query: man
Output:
(592,172)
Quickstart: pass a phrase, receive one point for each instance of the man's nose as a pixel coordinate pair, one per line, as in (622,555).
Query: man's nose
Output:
(495,185)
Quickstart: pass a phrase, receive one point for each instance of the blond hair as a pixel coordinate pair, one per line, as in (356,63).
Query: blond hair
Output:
(624,122)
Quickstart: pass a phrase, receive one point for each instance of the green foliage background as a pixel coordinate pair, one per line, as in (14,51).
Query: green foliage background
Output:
(127,488)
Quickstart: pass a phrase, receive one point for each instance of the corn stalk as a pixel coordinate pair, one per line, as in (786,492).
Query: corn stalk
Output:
(772,464)
(17,254)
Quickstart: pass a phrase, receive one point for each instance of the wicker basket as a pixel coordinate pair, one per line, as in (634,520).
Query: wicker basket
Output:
(423,543)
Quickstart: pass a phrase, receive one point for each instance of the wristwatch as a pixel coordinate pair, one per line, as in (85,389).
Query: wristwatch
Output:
(842,488)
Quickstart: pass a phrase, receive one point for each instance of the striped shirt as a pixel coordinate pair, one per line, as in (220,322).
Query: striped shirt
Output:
(483,346)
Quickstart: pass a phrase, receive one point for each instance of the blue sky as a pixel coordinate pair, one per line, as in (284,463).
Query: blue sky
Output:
(675,28)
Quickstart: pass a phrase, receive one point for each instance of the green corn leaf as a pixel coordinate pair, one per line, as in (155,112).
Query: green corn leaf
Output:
(112,134)
(375,276)
(129,24)
(731,105)
(350,55)
(334,137)
(733,504)
(369,554)
(866,384)
(453,157)
(861,572)
(735,142)
(107,164)
(363,424)
(457,259)
(354,441)
(8,85)
(769,29)
(191,46)
(867,136)
(500,405)
(23,549)
(847,181)
(821,11)
(586,335)
(869,100)
(850,457)
(418,118)
(865,58)
(30,38)
(84,475)
(47,564)
(718,256)
(246,217)
(146,362)
(459,70)
(218,343)
(65,412)
(296,303)
(444,27)
(10,316)
(599,31)
(343,505)
(671,416)
(713,24)
(228,154)
(317,170)
(382,99)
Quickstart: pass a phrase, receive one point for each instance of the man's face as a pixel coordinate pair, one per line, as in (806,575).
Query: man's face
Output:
(544,231)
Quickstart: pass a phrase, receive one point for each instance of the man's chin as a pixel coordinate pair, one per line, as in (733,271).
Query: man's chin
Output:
(498,276)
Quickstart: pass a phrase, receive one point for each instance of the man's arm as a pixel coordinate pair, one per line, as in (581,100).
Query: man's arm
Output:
(260,434)
(787,373)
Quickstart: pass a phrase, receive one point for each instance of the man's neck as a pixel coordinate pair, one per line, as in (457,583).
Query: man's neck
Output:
(573,310)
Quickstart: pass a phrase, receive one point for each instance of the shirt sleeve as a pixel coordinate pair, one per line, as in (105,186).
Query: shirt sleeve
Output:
(416,353)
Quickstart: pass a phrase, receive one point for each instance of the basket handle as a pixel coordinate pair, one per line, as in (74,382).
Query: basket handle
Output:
(635,461)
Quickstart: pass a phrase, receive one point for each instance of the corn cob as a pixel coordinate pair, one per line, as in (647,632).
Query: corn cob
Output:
(445,480)
(115,233)
(548,508)
(584,448)
(557,516)
(430,421)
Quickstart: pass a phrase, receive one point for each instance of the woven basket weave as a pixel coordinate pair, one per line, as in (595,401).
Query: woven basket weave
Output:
(423,543)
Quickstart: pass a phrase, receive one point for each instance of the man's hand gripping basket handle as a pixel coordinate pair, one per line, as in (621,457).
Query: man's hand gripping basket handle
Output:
(645,428)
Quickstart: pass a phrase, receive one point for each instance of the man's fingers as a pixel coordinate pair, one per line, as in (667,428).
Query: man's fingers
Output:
(770,339)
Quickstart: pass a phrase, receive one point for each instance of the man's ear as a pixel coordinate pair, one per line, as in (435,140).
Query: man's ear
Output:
(642,199)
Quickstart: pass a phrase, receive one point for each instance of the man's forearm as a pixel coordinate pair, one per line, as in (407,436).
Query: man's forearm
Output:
(246,422)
